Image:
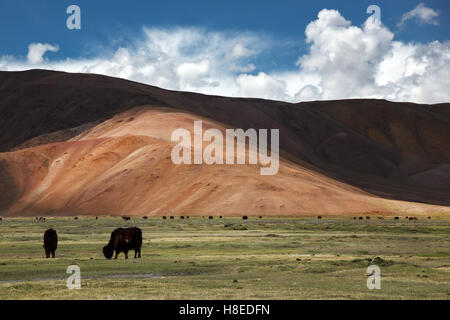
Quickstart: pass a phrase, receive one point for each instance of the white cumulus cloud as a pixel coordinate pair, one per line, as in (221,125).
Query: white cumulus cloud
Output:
(365,62)
(191,73)
(422,14)
(239,50)
(342,61)
(262,86)
(36,52)
(345,56)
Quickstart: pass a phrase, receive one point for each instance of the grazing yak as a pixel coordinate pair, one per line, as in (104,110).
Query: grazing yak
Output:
(50,242)
(124,239)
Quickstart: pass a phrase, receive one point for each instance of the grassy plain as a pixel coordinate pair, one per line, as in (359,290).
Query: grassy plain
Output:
(230,258)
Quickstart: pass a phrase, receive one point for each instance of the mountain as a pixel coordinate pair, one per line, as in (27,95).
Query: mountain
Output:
(91,144)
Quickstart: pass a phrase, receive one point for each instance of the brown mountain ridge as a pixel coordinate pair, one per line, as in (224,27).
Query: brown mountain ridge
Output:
(91,144)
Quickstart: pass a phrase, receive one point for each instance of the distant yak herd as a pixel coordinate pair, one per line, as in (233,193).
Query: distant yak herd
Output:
(126,239)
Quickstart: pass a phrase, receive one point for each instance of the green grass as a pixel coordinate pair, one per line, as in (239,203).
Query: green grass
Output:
(199,258)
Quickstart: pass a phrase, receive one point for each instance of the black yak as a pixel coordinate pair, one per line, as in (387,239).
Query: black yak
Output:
(50,242)
(124,239)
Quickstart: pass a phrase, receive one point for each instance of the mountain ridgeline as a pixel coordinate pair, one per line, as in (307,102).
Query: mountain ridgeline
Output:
(338,157)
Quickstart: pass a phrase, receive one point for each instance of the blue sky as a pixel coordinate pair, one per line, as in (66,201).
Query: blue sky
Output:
(271,36)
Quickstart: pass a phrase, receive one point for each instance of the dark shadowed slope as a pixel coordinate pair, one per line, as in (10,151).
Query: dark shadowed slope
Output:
(393,150)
